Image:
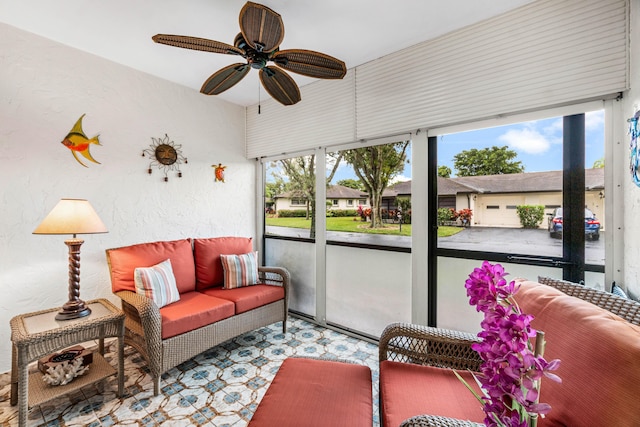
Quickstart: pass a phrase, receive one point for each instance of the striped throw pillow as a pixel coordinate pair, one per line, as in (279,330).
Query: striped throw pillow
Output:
(240,270)
(157,282)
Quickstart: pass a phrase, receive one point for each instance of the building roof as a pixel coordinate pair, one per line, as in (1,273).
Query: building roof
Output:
(451,187)
(527,182)
(342,192)
(504,183)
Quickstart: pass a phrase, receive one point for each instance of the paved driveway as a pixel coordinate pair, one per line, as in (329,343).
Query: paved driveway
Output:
(504,240)
(520,241)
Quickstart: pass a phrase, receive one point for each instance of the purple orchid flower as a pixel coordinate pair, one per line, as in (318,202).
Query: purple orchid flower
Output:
(510,373)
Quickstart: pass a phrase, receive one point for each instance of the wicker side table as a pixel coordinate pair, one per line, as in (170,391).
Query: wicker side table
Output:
(34,335)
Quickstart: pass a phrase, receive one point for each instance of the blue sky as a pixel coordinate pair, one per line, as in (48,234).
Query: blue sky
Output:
(538,144)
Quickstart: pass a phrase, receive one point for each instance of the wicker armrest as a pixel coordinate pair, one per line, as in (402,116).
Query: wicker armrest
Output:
(628,309)
(142,317)
(275,276)
(435,421)
(423,345)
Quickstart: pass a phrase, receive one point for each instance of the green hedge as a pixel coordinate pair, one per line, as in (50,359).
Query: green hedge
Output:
(301,213)
(530,215)
(292,213)
(341,212)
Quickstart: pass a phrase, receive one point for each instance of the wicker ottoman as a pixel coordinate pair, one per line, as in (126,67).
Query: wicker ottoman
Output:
(317,393)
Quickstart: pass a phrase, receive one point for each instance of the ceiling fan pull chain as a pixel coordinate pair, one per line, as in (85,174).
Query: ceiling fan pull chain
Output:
(258,98)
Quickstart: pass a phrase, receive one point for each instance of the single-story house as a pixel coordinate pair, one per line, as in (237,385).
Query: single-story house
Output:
(339,197)
(493,198)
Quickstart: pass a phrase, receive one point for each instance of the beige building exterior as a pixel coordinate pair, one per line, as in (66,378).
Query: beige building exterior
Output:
(493,198)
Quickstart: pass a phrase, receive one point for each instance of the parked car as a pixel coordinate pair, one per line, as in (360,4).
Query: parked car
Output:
(591,224)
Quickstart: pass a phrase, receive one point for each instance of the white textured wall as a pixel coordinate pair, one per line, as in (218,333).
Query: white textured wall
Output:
(44,88)
(631,191)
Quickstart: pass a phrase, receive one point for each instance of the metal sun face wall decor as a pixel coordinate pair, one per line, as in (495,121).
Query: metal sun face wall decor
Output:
(165,155)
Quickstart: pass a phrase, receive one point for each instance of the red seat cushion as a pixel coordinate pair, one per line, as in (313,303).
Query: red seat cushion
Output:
(407,390)
(317,393)
(248,297)
(193,311)
(209,271)
(123,261)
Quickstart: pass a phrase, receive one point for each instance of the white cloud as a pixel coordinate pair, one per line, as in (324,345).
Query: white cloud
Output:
(554,129)
(400,178)
(527,140)
(594,120)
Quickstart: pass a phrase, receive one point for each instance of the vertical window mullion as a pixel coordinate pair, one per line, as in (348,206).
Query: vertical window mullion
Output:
(573,197)
(432,231)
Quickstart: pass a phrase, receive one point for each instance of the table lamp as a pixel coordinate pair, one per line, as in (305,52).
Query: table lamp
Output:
(72,216)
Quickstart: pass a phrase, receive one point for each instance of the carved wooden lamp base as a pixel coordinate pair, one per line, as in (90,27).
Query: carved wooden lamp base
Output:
(75,307)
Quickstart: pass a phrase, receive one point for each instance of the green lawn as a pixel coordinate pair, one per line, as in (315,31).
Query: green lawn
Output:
(349,225)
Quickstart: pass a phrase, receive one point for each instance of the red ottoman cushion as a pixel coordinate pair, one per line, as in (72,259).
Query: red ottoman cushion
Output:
(317,393)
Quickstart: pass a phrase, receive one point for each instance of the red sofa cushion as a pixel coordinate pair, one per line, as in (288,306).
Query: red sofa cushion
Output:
(407,390)
(193,311)
(599,356)
(209,271)
(317,393)
(248,297)
(123,261)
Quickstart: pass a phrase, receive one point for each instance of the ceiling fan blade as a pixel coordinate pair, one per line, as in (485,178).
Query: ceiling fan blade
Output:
(224,78)
(280,85)
(197,43)
(310,63)
(261,27)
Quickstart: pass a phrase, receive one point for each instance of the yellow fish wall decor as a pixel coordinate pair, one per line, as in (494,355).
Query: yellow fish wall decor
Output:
(77,142)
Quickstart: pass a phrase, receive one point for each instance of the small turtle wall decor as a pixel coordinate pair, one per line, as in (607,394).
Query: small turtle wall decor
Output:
(219,172)
(165,155)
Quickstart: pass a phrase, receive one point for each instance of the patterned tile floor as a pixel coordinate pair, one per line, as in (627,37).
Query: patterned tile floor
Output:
(220,387)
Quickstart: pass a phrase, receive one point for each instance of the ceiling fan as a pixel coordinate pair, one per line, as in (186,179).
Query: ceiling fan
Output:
(261,32)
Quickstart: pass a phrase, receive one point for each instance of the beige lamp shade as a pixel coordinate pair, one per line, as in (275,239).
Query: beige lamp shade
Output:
(71,216)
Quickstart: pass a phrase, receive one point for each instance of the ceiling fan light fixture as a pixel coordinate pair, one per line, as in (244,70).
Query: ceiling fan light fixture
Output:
(261,32)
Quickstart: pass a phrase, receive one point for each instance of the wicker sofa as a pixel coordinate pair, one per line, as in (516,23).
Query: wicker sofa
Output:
(206,314)
(599,353)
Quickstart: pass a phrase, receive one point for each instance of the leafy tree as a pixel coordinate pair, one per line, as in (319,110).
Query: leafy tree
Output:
(375,166)
(301,172)
(598,164)
(487,161)
(444,171)
(351,183)
(302,183)
(277,186)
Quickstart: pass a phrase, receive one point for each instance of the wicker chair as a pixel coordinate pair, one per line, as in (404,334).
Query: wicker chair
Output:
(424,345)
